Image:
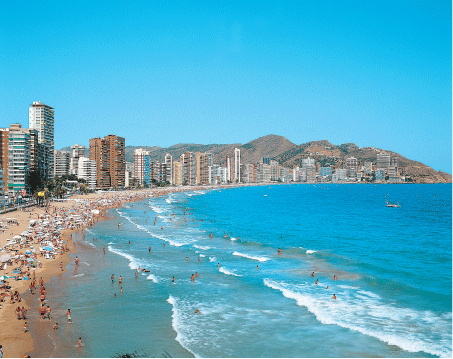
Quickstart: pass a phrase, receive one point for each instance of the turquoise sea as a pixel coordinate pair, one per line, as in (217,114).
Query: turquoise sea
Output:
(393,269)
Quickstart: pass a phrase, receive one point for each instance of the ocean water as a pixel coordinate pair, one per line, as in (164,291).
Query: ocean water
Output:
(393,269)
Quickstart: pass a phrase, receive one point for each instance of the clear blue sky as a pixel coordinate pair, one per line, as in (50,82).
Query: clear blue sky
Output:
(375,73)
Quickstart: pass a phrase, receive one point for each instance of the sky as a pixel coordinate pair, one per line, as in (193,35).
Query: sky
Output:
(374,73)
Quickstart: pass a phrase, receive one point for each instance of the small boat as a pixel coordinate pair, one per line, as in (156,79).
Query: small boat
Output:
(390,204)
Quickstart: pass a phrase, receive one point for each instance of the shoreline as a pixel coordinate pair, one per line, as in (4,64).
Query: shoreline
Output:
(15,341)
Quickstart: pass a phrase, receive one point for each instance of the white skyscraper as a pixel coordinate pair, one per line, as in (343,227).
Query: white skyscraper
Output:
(41,119)
(237,165)
(87,170)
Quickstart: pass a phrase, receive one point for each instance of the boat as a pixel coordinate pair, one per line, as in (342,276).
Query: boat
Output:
(390,204)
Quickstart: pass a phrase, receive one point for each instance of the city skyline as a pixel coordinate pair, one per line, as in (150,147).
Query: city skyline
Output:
(371,74)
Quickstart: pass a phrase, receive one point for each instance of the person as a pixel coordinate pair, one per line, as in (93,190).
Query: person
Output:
(121,290)
(115,295)
(192,278)
(129,242)
(112,277)
(198,259)
(76,261)
(120,280)
(218,265)
(210,235)
(334,297)
(55,326)
(257,267)
(196,274)
(48,313)
(313,274)
(103,250)
(161,227)
(187,258)
(316,281)
(136,273)
(197,311)
(18,312)
(149,249)
(1,351)
(327,287)
(173,280)
(61,265)
(79,344)
(42,311)
(334,277)
(164,244)
(24,312)
(25,327)
(68,315)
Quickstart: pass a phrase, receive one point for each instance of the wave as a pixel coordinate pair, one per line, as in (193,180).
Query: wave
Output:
(212,259)
(261,259)
(153,278)
(226,271)
(202,255)
(233,239)
(409,329)
(110,243)
(77,275)
(309,251)
(177,324)
(205,248)
(134,263)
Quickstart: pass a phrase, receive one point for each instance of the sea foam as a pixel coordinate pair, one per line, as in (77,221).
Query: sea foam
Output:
(256,258)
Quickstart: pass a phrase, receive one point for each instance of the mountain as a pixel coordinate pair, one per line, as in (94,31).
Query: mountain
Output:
(290,155)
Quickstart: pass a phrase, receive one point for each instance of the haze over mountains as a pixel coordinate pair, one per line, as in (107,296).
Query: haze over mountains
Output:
(290,155)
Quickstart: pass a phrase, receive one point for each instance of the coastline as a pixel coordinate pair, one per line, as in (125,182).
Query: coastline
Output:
(15,341)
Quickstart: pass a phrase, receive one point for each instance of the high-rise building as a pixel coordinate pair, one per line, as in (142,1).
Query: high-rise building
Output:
(382,162)
(61,163)
(189,168)
(77,151)
(41,119)
(109,154)
(274,170)
(237,166)
(169,164)
(309,169)
(393,170)
(18,159)
(351,165)
(4,157)
(177,173)
(87,170)
(142,166)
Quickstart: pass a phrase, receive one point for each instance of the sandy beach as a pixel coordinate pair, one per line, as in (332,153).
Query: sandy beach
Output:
(37,243)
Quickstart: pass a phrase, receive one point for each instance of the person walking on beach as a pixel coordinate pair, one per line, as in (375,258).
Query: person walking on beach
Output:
(1,351)
(25,327)
(120,280)
(61,265)
(68,315)
(79,344)
(48,313)
(76,261)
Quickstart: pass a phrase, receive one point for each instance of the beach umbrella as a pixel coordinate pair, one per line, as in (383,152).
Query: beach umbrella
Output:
(48,249)
(30,260)
(5,258)
(3,277)
(16,237)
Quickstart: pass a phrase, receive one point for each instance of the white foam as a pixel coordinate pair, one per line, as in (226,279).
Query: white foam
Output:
(202,255)
(309,251)
(168,200)
(77,275)
(205,248)
(366,313)
(233,239)
(110,243)
(212,259)
(134,263)
(153,278)
(226,271)
(256,258)
(177,325)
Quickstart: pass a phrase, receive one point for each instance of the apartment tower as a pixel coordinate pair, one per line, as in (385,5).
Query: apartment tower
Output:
(41,119)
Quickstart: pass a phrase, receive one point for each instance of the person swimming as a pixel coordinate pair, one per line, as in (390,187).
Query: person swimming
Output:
(334,297)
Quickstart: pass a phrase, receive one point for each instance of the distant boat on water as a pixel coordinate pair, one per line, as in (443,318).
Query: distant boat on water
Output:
(390,204)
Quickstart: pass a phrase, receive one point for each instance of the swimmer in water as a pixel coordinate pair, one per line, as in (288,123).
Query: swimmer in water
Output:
(112,277)
(218,265)
(149,249)
(79,344)
(313,274)
(257,267)
(187,258)
(120,280)
(173,280)
(316,281)
(334,277)
(196,274)
(334,297)
(197,311)
(192,278)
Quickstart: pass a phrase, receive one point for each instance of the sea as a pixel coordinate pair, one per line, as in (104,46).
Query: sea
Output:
(393,270)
